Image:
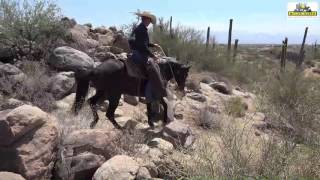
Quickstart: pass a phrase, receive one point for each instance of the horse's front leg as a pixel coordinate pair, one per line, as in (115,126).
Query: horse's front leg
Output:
(93,105)
(150,114)
(113,104)
(165,111)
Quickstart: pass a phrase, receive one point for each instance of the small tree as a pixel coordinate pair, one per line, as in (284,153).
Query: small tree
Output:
(31,27)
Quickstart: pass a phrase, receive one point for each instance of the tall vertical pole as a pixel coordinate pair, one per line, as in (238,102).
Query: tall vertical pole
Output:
(229,38)
(301,54)
(284,55)
(235,50)
(170,25)
(208,38)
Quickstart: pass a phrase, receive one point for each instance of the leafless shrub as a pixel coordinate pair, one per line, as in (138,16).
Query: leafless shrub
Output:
(208,119)
(32,87)
(129,141)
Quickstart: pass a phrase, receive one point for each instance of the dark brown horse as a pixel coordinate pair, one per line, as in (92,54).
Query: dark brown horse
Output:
(110,79)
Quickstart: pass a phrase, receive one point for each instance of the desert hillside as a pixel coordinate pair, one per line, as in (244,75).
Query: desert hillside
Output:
(249,112)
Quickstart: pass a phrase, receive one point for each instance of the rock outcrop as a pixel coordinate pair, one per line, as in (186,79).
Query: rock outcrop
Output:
(68,59)
(83,151)
(119,167)
(10,176)
(28,142)
(62,84)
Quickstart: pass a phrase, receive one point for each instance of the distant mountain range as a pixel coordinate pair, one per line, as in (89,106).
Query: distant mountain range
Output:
(263,38)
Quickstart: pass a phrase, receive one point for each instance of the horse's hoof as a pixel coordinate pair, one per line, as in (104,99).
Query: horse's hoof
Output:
(151,125)
(117,126)
(93,124)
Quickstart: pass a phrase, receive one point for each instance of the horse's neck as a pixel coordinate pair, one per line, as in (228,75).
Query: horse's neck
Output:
(167,71)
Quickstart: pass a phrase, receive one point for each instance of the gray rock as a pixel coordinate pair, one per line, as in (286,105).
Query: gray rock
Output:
(62,85)
(179,134)
(10,176)
(9,70)
(105,39)
(104,56)
(69,59)
(10,104)
(29,140)
(161,144)
(221,87)
(132,100)
(121,42)
(119,167)
(143,174)
(92,146)
(197,97)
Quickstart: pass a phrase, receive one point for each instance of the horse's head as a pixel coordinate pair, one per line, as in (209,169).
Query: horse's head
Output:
(180,73)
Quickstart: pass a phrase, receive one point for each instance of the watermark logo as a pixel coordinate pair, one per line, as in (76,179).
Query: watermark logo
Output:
(303,9)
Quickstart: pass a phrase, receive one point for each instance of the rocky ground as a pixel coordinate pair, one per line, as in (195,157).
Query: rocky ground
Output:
(37,144)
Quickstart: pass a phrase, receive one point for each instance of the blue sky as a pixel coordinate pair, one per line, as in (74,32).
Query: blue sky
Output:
(255,21)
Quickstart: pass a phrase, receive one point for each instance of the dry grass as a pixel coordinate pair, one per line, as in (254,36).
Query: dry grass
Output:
(235,107)
(33,87)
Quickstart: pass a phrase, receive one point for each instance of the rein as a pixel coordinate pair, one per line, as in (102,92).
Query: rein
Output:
(174,77)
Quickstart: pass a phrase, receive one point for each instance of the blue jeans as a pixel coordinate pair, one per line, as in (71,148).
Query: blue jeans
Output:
(141,59)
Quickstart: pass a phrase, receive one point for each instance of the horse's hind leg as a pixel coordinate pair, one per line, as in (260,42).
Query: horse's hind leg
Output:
(93,105)
(165,111)
(113,104)
(150,115)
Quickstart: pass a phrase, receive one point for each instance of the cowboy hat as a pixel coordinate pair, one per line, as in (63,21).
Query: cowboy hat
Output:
(148,15)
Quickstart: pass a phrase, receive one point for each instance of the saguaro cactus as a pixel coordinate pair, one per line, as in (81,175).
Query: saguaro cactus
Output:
(283,55)
(301,54)
(235,49)
(229,38)
(208,38)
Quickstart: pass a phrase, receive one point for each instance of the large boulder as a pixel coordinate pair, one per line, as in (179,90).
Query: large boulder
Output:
(106,39)
(120,167)
(83,152)
(10,103)
(132,100)
(79,36)
(161,144)
(9,70)
(68,59)
(222,87)
(179,134)
(10,176)
(28,142)
(121,42)
(197,97)
(62,84)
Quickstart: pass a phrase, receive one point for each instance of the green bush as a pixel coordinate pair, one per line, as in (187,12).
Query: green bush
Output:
(31,27)
(292,102)
(235,107)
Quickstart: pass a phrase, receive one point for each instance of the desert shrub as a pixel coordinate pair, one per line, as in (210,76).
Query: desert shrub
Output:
(32,28)
(235,107)
(187,44)
(292,103)
(208,119)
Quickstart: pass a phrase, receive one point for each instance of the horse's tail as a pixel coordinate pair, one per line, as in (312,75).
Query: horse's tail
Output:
(81,92)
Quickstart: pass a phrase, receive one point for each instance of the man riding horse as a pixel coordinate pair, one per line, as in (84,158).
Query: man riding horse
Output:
(141,55)
(111,79)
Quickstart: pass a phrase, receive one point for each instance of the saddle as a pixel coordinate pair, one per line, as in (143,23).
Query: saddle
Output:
(134,70)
